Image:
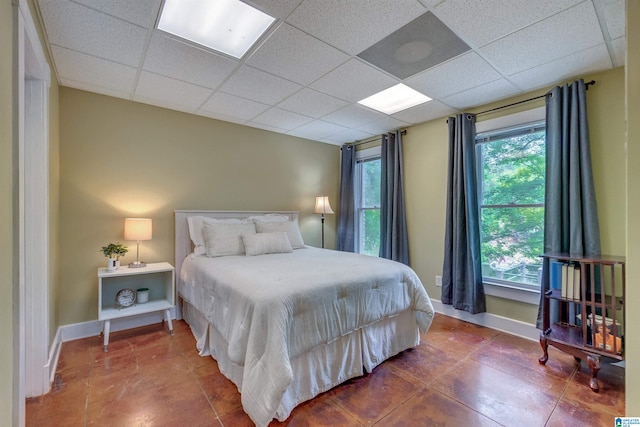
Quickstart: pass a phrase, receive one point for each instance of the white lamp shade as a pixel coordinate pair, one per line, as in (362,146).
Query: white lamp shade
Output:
(322,205)
(137,229)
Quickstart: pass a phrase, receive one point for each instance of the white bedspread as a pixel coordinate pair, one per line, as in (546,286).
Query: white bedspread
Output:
(271,308)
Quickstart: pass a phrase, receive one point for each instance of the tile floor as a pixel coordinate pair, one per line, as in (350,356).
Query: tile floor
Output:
(461,375)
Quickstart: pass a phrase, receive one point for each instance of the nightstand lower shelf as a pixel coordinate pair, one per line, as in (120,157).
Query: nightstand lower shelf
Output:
(150,307)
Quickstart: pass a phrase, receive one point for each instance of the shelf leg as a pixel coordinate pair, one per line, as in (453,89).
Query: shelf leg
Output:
(106,328)
(544,345)
(167,315)
(594,364)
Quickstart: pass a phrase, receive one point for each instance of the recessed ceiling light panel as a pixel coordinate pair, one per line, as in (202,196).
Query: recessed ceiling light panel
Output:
(228,26)
(394,99)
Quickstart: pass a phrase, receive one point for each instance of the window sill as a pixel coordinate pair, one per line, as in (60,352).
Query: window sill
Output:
(508,292)
(512,293)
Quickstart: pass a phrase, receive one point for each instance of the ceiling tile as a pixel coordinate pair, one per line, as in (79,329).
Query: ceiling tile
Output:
(614,14)
(573,30)
(316,129)
(183,61)
(254,84)
(484,94)
(281,118)
(353,116)
(311,103)
(92,32)
(296,56)
(587,61)
(76,66)
(139,12)
(619,50)
(480,22)
(464,72)
(233,106)
(346,136)
(354,81)
(95,89)
(424,112)
(386,124)
(421,44)
(354,25)
(169,93)
(276,8)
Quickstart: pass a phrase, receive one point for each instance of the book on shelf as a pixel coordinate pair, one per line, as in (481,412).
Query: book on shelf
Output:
(576,283)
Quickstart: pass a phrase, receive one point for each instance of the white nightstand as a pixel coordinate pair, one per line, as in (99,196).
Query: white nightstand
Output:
(159,278)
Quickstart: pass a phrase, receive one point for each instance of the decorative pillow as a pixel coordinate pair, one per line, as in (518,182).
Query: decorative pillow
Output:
(196,230)
(226,239)
(270,218)
(266,243)
(289,227)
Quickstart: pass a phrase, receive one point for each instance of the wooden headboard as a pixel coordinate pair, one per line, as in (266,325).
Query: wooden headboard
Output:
(183,241)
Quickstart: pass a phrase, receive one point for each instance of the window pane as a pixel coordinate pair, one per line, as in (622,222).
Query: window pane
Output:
(371,183)
(371,232)
(513,170)
(511,193)
(512,240)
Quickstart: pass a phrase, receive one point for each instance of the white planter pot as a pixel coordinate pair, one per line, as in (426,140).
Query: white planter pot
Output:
(112,264)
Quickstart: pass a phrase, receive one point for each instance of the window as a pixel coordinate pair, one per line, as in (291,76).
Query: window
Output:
(511,177)
(367,200)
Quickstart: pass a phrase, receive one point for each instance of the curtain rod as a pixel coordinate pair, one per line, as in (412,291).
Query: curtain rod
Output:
(375,138)
(587,84)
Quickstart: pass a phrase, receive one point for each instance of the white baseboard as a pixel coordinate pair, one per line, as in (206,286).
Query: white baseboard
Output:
(93,328)
(493,321)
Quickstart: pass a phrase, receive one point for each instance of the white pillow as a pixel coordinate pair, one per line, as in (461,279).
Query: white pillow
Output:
(266,243)
(269,218)
(196,230)
(289,227)
(224,239)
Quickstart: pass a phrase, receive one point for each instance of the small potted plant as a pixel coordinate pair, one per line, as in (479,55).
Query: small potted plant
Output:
(113,252)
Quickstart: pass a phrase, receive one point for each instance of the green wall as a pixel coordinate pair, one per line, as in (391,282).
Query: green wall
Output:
(120,158)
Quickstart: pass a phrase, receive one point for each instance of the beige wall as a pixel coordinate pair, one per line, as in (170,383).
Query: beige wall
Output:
(120,158)
(426,156)
(632,343)
(6,216)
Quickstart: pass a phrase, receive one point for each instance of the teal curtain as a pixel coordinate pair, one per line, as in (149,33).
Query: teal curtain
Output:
(462,269)
(571,214)
(394,241)
(346,204)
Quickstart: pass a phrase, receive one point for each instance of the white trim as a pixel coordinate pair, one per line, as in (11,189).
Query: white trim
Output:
(54,355)
(512,293)
(493,321)
(529,116)
(33,79)
(93,328)
(368,153)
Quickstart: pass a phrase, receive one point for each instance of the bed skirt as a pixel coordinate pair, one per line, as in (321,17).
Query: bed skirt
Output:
(325,366)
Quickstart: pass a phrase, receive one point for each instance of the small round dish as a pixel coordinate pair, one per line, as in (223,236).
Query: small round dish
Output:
(125,297)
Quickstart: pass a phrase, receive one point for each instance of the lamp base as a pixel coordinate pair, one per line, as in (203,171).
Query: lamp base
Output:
(137,264)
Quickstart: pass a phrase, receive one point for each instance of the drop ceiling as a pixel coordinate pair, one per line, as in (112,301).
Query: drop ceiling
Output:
(305,76)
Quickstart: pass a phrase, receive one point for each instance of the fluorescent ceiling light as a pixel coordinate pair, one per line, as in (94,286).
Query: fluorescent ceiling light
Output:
(228,26)
(394,99)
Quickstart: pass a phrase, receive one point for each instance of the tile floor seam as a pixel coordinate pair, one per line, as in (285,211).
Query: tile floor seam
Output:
(576,367)
(204,393)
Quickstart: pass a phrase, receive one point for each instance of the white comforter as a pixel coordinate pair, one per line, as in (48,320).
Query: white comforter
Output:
(271,308)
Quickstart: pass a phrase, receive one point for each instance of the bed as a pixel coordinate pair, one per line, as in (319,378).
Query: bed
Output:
(286,321)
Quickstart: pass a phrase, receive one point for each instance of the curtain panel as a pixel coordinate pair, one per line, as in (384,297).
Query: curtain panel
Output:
(346,204)
(394,241)
(571,215)
(462,269)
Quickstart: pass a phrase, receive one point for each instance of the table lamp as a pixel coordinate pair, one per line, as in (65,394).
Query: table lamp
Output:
(137,229)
